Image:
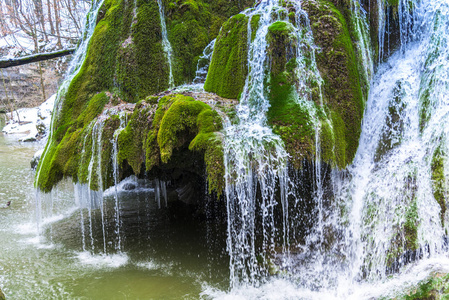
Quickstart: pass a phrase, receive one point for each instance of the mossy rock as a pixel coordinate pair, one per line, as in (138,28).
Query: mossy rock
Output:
(191,26)
(228,68)
(132,139)
(338,66)
(142,67)
(434,288)
(439,182)
(181,122)
(126,58)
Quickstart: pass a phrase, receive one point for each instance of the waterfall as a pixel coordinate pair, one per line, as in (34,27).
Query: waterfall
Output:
(90,195)
(115,166)
(395,217)
(166,45)
(361,26)
(256,162)
(385,213)
(202,66)
(74,67)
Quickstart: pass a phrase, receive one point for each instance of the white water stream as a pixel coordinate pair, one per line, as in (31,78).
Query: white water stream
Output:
(166,45)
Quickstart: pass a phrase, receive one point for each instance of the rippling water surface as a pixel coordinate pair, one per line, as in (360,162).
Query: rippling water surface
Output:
(162,258)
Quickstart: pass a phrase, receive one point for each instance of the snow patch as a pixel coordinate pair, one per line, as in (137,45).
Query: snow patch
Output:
(32,122)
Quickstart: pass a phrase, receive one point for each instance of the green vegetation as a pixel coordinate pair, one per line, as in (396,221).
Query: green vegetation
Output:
(142,68)
(439,181)
(338,66)
(228,68)
(181,122)
(125,63)
(191,25)
(131,140)
(434,288)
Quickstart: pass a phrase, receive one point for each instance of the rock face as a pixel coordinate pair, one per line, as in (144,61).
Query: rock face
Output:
(23,84)
(173,134)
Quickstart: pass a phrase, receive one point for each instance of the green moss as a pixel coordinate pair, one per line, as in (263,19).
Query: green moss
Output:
(107,171)
(132,139)
(94,107)
(142,67)
(152,151)
(191,25)
(439,181)
(126,56)
(254,25)
(294,119)
(433,288)
(280,28)
(338,66)
(2,296)
(281,43)
(291,121)
(181,121)
(228,68)
(96,75)
(211,142)
(411,227)
(85,154)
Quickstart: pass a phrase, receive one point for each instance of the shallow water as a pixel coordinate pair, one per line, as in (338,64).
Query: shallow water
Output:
(162,258)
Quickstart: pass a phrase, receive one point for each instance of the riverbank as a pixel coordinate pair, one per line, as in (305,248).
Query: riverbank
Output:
(30,124)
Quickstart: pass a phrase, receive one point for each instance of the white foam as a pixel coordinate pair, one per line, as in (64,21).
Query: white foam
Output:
(27,229)
(149,265)
(100,261)
(393,287)
(140,186)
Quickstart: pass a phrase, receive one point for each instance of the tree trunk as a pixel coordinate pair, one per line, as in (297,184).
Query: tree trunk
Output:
(50,18)
(57,23)
(38,9)
(7,63)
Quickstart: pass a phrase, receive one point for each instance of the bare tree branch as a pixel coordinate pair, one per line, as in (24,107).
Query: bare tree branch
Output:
(7,63)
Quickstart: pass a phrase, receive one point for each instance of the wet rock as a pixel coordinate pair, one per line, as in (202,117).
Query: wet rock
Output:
(129,186)
(35,161)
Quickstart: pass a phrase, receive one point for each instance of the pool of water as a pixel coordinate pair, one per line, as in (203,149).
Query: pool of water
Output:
(164,253)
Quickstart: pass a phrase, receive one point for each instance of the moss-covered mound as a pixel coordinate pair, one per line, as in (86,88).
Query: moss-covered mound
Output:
(126,63)
(173,133)
(333,105)
(191,25)
(228,69)
(338,67)
(181,123)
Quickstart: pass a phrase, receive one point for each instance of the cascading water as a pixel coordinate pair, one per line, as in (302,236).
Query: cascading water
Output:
(75,66)
(203,64)
(394,213)
(115,166)
(361,26)
(385,214)
(166,45)
(255,158)
(73,69)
